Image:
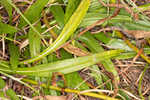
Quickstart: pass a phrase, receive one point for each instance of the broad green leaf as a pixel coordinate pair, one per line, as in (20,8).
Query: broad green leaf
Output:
(8,7)
(14,55)
(58,13)
(12,95)
(68,65)
(64,66)
(5,28)
(33,13)
(34,41)
(2,83)
(67,31)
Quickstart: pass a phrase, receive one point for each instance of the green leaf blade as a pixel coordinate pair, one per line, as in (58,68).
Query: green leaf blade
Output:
(34,41)
(2,83)
(14,56)
(5,28)
(34,12)
(68,65)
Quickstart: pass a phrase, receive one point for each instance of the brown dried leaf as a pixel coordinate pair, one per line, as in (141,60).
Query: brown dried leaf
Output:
(74,50)
(137,34)
(23,44)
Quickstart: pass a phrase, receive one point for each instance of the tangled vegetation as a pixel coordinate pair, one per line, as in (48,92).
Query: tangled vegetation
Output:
(74,49)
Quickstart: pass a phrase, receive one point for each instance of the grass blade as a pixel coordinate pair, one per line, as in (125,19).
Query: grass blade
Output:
(2,85)
(34,41)
(14,56)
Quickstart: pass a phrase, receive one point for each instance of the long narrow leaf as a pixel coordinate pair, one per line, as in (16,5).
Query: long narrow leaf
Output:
(64,66)
(14,56)
(34,41)
(67,31)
